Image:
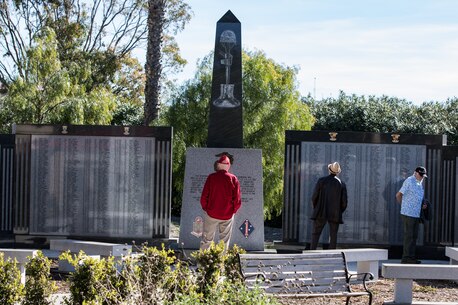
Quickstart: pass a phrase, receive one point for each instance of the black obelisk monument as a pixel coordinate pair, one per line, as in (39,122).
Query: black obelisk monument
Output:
(225,136)
(225,126)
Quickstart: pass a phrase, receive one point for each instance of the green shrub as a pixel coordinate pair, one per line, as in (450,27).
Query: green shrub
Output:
(161,277)
(230,293)
(154,277)
(93,280)
(215,265)
(232,264)
(38,285)
(151,277)
(210,270)
(11,288)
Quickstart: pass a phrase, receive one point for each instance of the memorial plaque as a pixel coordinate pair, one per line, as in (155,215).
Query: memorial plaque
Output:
(225,125)
(93,185)
(248,230)
(373,174)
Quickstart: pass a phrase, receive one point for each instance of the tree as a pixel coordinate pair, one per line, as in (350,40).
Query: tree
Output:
(153,67)
(129,86)
(94,42)
(385,114)
(51,94)
(165,17)
(188,114)
(356,113)
(99,33)
(438,118)
(63,59)
(271,104)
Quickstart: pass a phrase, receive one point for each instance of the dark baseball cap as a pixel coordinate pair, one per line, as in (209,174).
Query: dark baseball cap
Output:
(422,171)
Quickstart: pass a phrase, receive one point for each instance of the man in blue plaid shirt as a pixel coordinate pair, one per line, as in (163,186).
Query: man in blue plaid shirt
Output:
(411,197)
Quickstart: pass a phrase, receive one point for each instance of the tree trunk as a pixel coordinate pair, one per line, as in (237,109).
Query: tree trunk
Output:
(153,66)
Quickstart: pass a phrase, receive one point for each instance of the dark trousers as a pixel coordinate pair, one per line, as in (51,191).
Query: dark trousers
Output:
(410,225)
(318,226)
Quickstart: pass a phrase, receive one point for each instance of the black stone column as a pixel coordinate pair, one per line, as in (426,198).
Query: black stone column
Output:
(225,127)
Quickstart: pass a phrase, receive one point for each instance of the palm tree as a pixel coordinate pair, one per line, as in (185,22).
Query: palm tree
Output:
(153,66)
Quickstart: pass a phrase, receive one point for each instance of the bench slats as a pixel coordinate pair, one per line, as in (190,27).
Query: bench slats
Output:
(296,261)
(293,268)
(305,285)
(309,290)
(298,275)
(339,294)
(305,278)
(251,256)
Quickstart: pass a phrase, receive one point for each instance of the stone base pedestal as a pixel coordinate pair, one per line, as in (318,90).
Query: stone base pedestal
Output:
(248,231)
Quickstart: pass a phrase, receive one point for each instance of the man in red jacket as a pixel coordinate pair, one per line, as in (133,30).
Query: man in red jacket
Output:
(221,198)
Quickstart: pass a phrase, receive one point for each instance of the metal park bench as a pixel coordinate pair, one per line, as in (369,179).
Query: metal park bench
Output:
(303,275)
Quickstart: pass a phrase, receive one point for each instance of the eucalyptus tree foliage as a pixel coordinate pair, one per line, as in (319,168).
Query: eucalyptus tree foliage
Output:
(94,41)
(271,104)
(62,60)
(187,112)
(100,32)
(385,114)
(51,94)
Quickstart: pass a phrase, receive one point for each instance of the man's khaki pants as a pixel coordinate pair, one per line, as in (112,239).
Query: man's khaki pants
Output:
(210,226)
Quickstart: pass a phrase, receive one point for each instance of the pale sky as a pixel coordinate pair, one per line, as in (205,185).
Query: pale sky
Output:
(401,48)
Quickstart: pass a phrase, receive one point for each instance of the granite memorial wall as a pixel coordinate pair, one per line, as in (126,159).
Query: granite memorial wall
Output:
(93,181)
(373,168)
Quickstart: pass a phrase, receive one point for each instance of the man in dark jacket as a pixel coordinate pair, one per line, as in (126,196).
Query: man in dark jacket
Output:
(329,201)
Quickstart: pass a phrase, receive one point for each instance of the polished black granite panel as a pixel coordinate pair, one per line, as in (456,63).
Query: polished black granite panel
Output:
(225,127)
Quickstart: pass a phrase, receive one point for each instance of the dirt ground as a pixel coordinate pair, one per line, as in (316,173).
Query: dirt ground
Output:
(383,291)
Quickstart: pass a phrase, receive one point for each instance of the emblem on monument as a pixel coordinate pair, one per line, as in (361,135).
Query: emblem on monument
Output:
(246,228)
(333,136)
(226,99)
(197,226)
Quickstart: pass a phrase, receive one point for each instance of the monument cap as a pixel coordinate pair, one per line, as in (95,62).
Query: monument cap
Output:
(223,160)
(422,171)
(334,168)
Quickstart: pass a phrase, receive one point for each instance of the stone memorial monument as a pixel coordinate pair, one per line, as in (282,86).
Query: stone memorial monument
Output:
(225,135)
(374,165)
(93,182)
